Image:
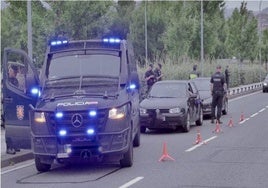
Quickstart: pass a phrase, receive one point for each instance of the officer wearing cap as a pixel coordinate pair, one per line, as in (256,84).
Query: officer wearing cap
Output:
(218,88)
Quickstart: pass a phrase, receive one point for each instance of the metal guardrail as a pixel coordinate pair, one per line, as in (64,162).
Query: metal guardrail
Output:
(245,89)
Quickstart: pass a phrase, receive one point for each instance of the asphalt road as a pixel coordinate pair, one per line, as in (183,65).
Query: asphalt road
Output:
(237,157)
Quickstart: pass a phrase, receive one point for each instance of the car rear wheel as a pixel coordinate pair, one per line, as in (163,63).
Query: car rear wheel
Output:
(225,108)
(187,125)
(199,122)
(41,167)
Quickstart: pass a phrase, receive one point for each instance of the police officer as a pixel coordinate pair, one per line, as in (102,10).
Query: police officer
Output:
(149,77)
(218,88)
(158,72)
(194,73)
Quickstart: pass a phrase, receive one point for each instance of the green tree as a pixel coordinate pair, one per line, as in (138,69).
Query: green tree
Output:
(14,27)
(120,22)
(242,40)
(264,47)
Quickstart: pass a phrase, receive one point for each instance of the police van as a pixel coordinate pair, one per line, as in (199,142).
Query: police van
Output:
(84,104)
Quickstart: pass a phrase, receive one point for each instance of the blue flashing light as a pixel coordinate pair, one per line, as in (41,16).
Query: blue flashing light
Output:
(90,131)
(92,113)
(62,132)
(132,86)
(35,91)
(105,40)
(58,42)
(59,115)
(111,40)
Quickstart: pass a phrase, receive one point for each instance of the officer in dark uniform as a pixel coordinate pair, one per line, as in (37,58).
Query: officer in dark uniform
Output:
(158,72)
(218,87)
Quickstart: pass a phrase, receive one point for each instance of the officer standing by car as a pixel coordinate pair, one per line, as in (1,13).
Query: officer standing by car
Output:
(218,88)
(149,77)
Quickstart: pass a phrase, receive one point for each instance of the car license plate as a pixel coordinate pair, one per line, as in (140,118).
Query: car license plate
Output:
(164,118)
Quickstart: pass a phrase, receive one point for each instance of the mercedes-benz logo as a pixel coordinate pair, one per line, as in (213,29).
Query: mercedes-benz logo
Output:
(77,120)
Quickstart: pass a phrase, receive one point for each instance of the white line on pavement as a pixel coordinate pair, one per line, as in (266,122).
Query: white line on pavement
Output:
(198,145)
(131,182)
(244,121)
(262,110)
(17,168)
(254,115)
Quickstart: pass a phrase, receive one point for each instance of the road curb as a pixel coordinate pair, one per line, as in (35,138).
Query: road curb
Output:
(10,160)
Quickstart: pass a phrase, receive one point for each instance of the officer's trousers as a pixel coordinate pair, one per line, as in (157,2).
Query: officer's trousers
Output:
(217,98)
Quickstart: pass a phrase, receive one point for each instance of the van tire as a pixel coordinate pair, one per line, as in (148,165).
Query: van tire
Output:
(41,167)
(127,160)
(136,141)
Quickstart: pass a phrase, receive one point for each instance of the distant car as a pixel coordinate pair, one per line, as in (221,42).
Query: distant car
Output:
(203,86)
(171,104)
(265,85)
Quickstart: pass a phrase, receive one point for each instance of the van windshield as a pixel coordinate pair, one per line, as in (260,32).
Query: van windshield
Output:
(84,65)
(75,72)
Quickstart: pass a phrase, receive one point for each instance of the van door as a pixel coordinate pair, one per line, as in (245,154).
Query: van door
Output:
(19,78)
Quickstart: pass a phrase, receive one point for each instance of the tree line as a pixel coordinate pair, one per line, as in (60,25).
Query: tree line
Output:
(173,28)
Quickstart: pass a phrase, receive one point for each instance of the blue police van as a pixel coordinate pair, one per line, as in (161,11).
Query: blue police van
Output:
(83,105)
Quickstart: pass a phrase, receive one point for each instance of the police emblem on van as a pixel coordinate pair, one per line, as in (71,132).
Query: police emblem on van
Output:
(20,112)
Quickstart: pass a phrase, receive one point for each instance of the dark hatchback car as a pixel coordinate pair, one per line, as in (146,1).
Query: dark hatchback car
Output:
(203,86)
(171,104)
(265,85)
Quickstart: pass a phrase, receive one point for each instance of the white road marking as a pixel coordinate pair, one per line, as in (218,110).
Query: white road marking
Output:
(254,115)
(200,144)
(262,110)
(241,122)
(17,168)
(131,182)
(266,106)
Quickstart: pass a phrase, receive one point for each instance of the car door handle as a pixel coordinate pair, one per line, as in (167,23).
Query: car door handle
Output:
(8,100)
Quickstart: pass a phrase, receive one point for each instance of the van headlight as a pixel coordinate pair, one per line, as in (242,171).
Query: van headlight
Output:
(117,113)
(265,84)
(175,110)
(39,117)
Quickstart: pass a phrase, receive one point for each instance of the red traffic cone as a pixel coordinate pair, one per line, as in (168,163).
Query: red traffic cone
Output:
(165,154)
(231,124)
(218,128)
(242,117)
(198,138)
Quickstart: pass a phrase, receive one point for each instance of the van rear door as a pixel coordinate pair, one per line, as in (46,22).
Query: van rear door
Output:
(19,78)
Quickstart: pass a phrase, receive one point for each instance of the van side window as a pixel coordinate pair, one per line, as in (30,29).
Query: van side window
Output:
(17,71)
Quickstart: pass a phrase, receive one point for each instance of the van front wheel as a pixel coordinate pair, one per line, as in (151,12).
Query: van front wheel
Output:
(41,167)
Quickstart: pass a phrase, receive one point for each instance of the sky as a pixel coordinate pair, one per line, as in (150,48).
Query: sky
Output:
(253,5)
